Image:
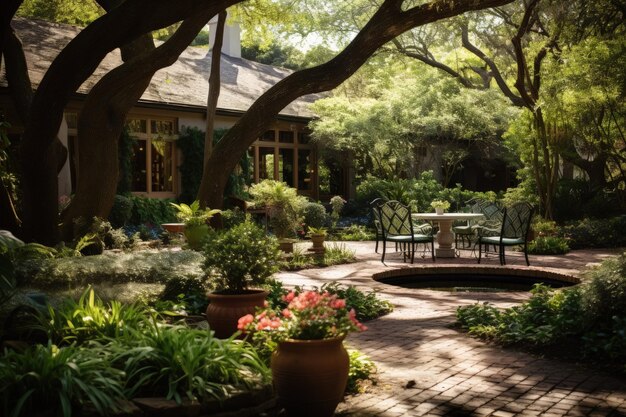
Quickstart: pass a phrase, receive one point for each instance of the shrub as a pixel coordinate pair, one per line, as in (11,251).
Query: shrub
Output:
(548,245)
(354,232)
(59,381)
(152,211)
(121,212)
(589,318)
(283,203)
(315,215)
(595,233)
(240,258)
(231,218)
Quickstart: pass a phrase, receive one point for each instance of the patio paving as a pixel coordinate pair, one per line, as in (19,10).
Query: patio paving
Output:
(427,368)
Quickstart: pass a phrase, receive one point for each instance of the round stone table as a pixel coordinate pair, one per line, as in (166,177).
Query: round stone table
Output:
(445,236)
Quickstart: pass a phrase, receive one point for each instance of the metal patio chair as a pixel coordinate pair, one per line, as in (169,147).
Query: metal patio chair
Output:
(514,231)
(397,227)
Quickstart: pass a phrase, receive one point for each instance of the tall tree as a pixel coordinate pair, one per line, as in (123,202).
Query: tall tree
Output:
(388,22)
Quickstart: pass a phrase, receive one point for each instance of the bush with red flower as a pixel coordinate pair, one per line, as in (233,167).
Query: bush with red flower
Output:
(309,315)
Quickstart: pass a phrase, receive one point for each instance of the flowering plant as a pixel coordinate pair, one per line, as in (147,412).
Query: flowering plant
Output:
(310,315)
(443,204)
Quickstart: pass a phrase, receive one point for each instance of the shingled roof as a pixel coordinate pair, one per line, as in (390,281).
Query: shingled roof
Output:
(185,83)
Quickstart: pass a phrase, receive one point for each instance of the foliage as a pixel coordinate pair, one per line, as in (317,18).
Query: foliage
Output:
(334,254)
(314,215)
(144,266)
(191,144)
(317,231)
(392,130)
(576,199)
(548,245)
(125,153)
(360,370)
(193,215)
(153,211)
(309,315)
(595,233)
(121,212)
(231,218)
(89,318)
(417,193)
(442,204)
(366,303)
(336,203)
(240,258)
(589,316)
(354,232)
(283,203)
(75,12)
(175,362)
(59,381)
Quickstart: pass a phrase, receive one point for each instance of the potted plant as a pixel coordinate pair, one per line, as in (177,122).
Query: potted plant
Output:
(440,206)
(317,235)
(337,203)
(238,262)
(283,205)
(309,363)
(195,219)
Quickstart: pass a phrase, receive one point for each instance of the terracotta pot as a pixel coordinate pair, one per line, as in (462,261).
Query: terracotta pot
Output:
(174,227)
(225,309)
(286,245)
(310,376)
(318,241)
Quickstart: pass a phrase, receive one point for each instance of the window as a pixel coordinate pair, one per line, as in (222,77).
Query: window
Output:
(305,169)
(285,165)
(269,136)
(285,136)
(154,156)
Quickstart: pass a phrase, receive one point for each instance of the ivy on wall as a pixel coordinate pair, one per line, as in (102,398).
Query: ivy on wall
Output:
(191,144)
(125,160)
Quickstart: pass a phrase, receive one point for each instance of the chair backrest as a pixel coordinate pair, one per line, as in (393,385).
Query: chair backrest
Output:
(490,210)
(516,223)
(395,219)
(374,204)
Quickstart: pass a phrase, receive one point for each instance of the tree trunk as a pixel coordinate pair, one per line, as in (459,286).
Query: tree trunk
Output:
(76,62)
(99,130)
(387,23)
(211,106)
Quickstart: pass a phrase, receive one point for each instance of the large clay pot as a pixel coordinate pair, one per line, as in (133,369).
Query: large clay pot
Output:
(225,309)
(195,235)
(310,376)
(318,242)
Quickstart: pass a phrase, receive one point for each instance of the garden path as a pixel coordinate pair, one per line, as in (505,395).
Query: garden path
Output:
(427,368)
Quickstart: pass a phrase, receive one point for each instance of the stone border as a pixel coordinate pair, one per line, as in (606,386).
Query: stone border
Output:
(522,272)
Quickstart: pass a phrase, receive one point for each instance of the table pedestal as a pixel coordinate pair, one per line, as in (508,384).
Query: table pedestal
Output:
(445,239)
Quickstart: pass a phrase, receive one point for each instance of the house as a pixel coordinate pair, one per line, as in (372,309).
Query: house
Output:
(177,98)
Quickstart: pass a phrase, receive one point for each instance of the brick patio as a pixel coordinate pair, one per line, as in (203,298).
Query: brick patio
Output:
(427,368)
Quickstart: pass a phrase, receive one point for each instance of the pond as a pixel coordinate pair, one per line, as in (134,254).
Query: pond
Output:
(473,279)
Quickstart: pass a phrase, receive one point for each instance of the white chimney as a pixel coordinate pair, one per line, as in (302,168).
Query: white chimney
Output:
(232,37)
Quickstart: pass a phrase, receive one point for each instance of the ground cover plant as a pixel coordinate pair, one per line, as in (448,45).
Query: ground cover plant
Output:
(588,319)
(334,254)
(108,353)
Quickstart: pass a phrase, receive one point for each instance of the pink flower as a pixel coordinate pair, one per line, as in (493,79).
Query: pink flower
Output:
(287,298)
(244,321)
(287,313)
(338,303)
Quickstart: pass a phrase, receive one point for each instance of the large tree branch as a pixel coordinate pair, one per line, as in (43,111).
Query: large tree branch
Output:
(99,129)
(522,67)
(495,71)
(8,8)
(386,24)
(74,64)
(428,60)
(16,69)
